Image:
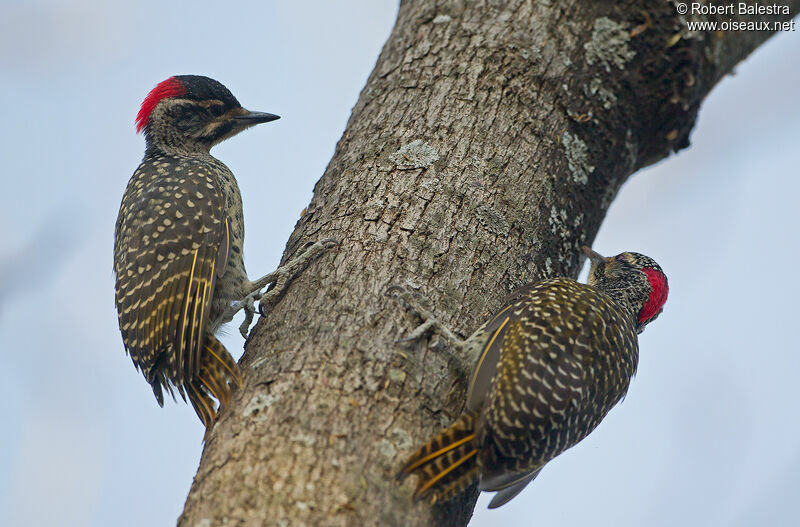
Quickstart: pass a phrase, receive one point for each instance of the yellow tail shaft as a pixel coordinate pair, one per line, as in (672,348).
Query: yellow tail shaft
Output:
(447,464)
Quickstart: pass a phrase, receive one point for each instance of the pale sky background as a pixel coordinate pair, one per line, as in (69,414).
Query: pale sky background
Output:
(708,434)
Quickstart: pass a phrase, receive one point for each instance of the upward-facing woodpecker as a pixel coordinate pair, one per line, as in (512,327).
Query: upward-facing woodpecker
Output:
(548,367)
(178,244)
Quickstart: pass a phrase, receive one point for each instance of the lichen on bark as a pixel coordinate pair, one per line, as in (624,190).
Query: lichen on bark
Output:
(475,160)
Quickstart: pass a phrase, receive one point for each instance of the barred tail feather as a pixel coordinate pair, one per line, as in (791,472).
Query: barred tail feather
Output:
(203,404)
(447,464)
(219,374)
(218,371)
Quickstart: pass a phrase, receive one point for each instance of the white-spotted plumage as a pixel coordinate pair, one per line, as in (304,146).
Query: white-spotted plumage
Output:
(178,243)
(552,362)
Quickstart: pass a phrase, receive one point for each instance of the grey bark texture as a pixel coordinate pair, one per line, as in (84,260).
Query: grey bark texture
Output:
(485,149)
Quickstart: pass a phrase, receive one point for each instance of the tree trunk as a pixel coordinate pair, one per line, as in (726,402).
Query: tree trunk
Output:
(484,150)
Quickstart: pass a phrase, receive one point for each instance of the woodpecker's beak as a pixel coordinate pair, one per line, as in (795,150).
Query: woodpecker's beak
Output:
(249,118)
(595,257)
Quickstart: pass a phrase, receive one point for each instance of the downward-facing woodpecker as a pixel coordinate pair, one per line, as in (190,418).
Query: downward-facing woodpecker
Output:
(547,368)
(178,244)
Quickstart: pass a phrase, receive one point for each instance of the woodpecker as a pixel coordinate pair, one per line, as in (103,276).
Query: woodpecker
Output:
(548,367)
(178,240)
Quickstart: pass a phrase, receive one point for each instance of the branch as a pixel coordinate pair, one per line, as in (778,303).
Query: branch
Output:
(484,150)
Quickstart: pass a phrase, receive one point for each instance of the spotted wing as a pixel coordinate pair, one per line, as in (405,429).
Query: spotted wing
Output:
(491,339)
(566,354)
(172,238)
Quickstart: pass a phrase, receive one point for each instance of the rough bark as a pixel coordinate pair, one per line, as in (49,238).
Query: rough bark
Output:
(484,150)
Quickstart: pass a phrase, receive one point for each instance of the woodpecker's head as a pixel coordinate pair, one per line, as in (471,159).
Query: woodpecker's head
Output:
(634,280)
(190,113)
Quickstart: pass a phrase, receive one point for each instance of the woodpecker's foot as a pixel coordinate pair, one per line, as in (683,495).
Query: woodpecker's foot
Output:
(430,322)
(248,303)
(283,275)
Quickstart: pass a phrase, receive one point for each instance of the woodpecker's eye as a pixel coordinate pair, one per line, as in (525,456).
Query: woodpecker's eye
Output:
(217,109)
